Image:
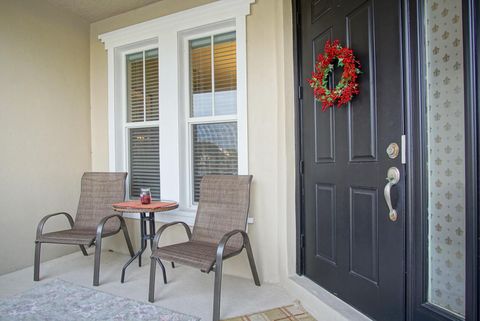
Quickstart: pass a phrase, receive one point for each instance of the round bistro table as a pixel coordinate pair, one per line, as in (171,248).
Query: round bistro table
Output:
(147,215)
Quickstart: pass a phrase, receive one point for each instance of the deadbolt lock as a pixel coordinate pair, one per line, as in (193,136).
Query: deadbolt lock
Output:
(393,150)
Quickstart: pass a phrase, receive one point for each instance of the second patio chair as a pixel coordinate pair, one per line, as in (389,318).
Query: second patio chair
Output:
(95,219)
(219,233)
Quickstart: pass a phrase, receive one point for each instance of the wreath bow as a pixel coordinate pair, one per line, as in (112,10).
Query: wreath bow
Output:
(347,87)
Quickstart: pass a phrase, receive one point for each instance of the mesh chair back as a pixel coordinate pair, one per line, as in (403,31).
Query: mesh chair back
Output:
(223,207)
(98,192)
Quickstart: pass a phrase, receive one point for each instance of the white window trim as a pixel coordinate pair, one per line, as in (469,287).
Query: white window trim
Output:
(167,34)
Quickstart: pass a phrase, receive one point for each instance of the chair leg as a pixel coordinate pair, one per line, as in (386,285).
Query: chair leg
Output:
(173,265)
(84,251)
(152,228)
(36,264)
(163,271)
(217,290)
(252,262)
(96,264)
(151,286)
(127,239)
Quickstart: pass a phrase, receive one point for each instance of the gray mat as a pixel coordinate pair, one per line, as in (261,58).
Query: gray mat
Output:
(59,300)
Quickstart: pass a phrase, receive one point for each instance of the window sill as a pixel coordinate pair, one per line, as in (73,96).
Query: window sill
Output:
(187,217)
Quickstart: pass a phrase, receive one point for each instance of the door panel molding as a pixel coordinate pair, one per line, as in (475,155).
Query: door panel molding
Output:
(361,266)
(324,121)
(320,8)
(363,123)
(325,195)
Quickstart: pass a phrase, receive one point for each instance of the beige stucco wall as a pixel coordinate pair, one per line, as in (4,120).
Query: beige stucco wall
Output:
(270,128)
(44,123)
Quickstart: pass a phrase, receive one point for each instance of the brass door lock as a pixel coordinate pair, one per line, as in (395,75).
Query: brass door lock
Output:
(393,150)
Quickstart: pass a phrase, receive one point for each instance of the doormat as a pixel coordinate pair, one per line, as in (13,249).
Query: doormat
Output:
(59,300)
(286,313)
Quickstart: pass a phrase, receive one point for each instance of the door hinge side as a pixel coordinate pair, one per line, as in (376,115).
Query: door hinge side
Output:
(302,241)
(302,167)
(300,92)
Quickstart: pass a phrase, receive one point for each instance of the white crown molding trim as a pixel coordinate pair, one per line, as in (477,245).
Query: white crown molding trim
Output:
(191,18)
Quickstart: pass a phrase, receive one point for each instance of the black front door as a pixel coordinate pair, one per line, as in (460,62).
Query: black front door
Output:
(352,247)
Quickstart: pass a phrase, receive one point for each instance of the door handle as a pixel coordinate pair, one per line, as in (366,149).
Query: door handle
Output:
(393,177)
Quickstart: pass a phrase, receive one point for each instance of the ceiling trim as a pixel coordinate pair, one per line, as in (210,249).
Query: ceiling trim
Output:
(97,10)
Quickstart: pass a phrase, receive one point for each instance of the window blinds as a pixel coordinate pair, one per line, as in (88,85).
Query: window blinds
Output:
(151,85)
(142,107)
(135,110)
(142,86)
(215,152)
(213,92)
(144,161)
(213,83)
(201,77)
(225,74)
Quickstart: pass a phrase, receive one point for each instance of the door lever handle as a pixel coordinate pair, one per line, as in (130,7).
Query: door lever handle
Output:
(393,177)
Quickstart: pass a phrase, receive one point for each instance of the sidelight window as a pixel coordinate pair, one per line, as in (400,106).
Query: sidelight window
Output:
(445,155)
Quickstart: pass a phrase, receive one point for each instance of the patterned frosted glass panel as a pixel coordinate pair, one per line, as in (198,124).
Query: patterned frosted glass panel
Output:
(445,150)
(201,77)
(215,152)
(225,67)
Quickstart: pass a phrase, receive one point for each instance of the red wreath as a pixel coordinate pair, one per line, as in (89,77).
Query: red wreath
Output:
(347,87)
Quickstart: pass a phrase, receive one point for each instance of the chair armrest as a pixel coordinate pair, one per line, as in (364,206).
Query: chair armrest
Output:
(165,226)
(223,242)
(104,220)
(42,222)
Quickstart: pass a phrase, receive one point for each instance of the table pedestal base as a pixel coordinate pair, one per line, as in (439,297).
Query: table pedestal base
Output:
(144,219)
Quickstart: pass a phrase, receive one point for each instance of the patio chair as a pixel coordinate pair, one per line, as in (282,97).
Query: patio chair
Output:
(95,219)
(219,233)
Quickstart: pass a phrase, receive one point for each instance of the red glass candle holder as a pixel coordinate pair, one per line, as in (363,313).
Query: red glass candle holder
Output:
(145,196)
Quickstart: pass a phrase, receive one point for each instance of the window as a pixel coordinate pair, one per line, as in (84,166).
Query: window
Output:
(177,102)
(142,122)
(212,121)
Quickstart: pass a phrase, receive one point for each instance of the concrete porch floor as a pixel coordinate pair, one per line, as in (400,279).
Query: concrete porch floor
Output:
(188,290)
